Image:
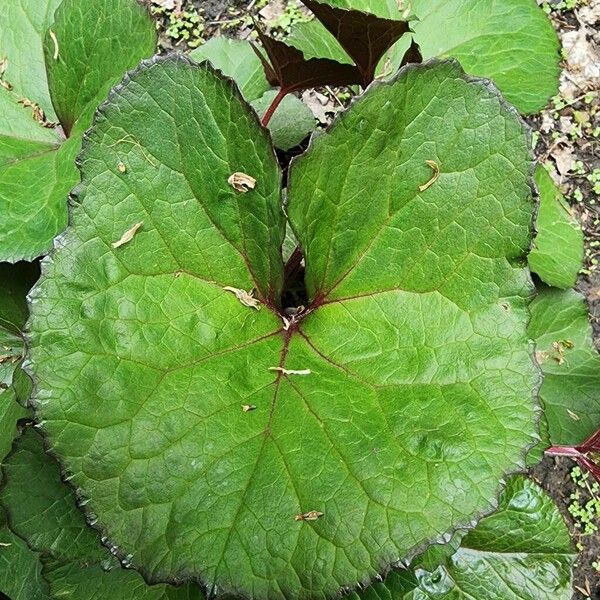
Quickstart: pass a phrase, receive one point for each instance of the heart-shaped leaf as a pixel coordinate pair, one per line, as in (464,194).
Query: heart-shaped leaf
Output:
(87,49)
(513,43)
(570,362)
(557,255)
(365,37)
(521,552)
(62,550)
(218,435)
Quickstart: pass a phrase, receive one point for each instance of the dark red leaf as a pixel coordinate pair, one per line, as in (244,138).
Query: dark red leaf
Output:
(287,68)
(413,54)
(365,37)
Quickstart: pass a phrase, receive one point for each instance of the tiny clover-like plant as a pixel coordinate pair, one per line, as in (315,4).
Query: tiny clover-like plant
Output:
(215,431)
(54,71)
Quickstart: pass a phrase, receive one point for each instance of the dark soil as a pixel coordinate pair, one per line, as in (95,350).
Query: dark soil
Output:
(553,474)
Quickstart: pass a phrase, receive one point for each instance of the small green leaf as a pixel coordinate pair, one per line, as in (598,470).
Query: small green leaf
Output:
(235,59)
(88,48)
(316,42)
(292,122)
(557,255)
(521,552)
(385,9)
(571,365)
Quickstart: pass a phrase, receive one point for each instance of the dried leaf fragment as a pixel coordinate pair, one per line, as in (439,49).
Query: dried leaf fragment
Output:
(246,298)
(55,42)
(241,182)
(312,515)
(436,174)
(38,112)
(290,371)
(248,407)
(128,235)
(8,358)
(3,66)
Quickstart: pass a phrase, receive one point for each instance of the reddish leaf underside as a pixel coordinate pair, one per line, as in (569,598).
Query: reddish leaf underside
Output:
(287,68)
(365,37)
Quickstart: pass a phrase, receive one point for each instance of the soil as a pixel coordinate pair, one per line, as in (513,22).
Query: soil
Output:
(566,144)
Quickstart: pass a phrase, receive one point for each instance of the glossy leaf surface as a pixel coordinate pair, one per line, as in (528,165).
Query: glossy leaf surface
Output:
(62,550)
(521,552)
(216,437)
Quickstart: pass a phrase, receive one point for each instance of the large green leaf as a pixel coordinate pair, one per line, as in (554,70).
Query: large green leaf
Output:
(42,512)
(87,48)
(571,365)
(235,59)
(557,255)
(511,42)
(394,413)
(521,552)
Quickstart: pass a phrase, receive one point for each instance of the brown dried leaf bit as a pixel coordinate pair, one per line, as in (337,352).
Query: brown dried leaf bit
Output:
(436,174)
(312,515)
(246,298)
(8,358)
(241,182)
(38,113)
(55,42)
(3,66)
(128,235)
(248,407)
(290,371)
